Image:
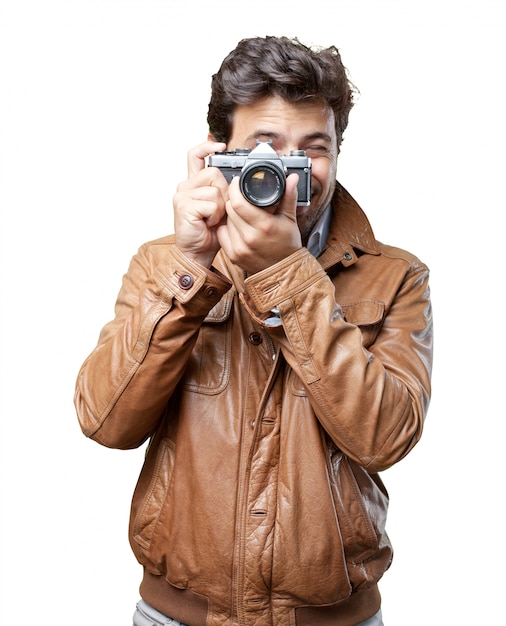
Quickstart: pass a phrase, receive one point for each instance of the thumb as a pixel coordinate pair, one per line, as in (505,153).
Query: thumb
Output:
(288,203)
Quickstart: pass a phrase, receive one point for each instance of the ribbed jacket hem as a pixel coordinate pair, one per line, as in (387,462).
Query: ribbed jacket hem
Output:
(191,608)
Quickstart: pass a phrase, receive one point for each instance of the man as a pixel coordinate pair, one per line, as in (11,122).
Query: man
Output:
(277,358)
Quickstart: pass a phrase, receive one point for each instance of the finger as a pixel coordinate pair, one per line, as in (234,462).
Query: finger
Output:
(201,203)
(288,203)
(209,203)
(208,177)
(197,156)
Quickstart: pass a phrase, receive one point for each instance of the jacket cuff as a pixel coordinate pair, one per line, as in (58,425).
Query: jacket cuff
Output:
(186,280)
(270,287)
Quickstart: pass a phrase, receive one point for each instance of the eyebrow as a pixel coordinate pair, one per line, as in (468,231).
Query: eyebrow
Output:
(275,136)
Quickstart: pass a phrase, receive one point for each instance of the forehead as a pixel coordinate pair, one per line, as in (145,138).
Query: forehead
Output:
(275,116)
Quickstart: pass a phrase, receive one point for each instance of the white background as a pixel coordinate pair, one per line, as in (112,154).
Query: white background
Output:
(99,102)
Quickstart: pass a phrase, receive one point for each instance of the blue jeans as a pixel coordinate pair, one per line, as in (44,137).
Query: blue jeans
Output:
(375,620)
(146,615)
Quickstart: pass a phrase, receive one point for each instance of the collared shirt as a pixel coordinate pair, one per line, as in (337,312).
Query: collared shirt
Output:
(318,237)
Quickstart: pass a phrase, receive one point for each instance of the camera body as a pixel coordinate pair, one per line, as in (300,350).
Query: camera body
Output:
(262,173)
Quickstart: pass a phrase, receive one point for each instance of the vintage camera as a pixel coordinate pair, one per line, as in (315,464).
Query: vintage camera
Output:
(262,173)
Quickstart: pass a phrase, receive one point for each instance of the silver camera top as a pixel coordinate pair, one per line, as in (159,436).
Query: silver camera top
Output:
(263,172)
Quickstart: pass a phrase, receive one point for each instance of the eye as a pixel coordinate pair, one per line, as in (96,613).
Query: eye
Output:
(316,151)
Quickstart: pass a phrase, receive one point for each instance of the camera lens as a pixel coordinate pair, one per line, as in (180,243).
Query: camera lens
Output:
(262,184)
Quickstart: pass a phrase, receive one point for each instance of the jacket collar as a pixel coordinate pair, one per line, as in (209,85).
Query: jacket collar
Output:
(350,232)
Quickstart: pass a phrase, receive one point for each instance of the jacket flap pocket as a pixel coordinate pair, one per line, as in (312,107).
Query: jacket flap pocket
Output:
(364,312)
(221,310)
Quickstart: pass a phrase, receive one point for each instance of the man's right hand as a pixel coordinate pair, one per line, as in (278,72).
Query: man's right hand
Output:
(199,206)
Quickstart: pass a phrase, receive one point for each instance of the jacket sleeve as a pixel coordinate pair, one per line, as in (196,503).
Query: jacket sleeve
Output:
(124,384)
(372,402)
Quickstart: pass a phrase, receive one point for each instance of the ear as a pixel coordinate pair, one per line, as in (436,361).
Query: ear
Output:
(211,137)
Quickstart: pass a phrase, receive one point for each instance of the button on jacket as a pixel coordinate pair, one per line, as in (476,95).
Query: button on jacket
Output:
(259,502)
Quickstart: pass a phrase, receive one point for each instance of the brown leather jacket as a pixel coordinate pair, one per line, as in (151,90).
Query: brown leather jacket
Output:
(259,500)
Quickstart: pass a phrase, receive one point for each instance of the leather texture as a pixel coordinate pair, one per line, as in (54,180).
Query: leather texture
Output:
(260,491)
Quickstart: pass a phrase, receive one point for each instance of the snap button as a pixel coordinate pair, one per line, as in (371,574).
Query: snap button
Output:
(255,339)
(347,256)
(185,281)
(210,292)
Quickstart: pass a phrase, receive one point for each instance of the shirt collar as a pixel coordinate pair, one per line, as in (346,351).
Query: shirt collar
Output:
(319,234)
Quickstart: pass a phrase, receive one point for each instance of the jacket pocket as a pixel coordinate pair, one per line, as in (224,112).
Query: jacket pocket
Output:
(368,315)
(208,368)
(145,521)
(361,506)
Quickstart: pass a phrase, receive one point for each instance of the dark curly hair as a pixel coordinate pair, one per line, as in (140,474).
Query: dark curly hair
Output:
(278,66)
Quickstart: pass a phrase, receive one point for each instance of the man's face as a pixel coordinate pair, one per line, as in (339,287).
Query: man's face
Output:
(305,126)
